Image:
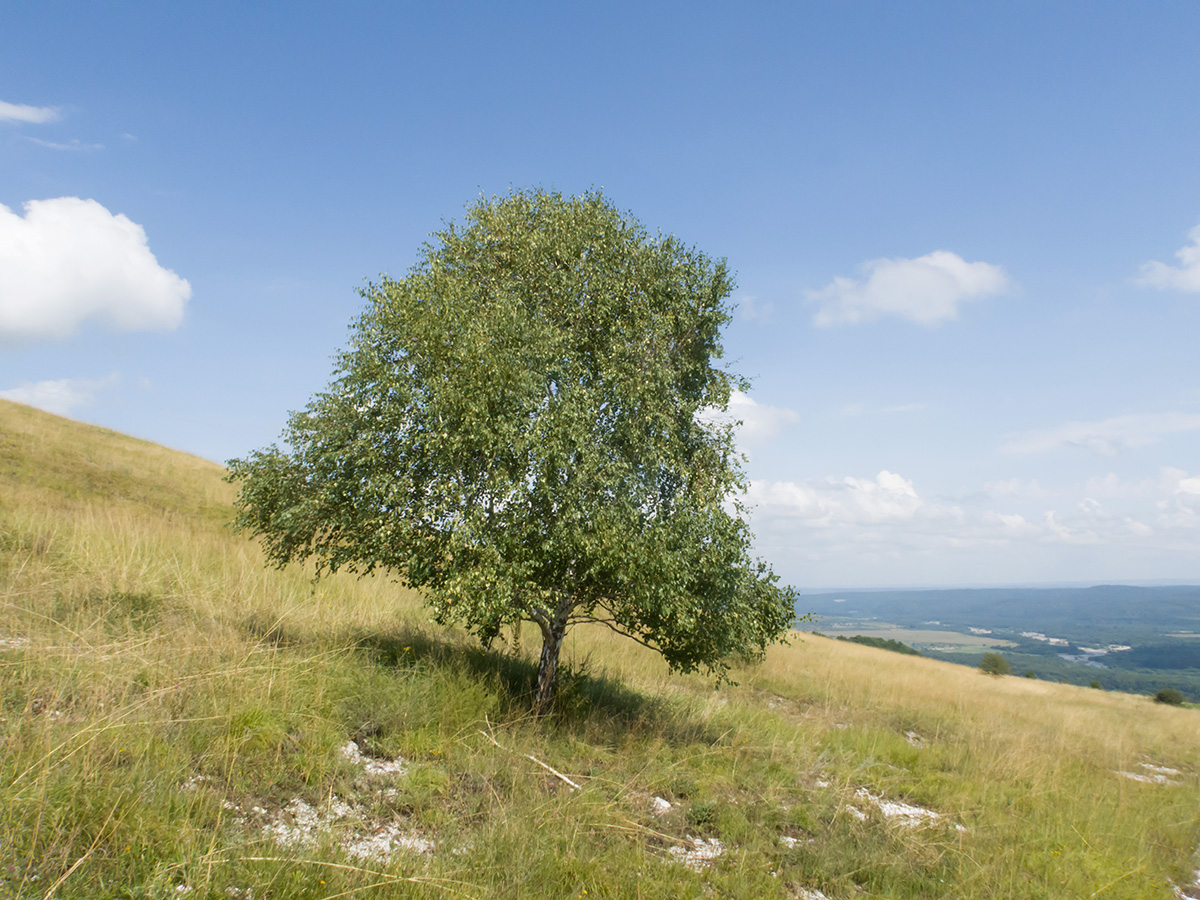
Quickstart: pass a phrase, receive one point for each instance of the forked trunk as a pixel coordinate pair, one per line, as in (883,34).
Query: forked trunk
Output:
(552,641)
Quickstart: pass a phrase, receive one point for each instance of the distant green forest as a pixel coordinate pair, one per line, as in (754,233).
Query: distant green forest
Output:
(881,643)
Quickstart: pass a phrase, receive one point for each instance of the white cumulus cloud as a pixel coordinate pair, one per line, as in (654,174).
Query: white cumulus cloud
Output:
(1107,437)
(20,112)
(755,423)
(886,498)
(1185,276)
(926,290)
(1188,486)
(885,531)
(69,261)
(60,396)
(760,422)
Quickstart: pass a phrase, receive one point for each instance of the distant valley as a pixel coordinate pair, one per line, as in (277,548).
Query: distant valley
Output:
(1128,638)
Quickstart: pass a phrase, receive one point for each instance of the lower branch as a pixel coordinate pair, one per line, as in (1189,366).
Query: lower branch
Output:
(624,632)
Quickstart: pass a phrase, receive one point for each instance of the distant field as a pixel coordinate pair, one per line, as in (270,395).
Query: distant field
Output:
(917,637)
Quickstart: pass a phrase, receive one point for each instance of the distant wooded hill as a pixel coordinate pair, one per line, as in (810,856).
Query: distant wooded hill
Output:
(1103,613)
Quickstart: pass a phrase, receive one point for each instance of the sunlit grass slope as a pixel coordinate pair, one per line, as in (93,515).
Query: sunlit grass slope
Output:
(177,721)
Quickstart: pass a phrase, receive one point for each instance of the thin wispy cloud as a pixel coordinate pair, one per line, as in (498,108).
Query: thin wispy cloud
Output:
(1015,488)
(69,261)
(927,290)
(1183,277)
(853,410)
(35,115)
(753,310)
(62,396)
(1107,437)
(74,145)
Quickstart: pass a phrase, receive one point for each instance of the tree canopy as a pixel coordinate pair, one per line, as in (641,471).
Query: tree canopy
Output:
(993,663)
(523,427)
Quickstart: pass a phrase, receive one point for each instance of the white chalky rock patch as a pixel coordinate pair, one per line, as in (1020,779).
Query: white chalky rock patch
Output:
(380,846)
(904,813)
(1190,891)
(299,825)
(1148,777)
(701,855)
(1159,770)
(915,739)
(13,643)
(658,806)
(1153,774)
(352,754)
(810,894)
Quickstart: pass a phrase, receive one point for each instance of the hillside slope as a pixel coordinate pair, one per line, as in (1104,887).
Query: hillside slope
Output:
(175,719)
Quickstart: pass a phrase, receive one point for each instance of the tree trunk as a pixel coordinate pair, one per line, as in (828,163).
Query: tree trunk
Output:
(552,641)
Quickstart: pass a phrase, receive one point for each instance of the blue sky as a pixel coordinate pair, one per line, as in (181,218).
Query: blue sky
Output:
(968,280)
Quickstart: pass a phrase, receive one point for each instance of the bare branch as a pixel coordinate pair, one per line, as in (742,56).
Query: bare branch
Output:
(549,769)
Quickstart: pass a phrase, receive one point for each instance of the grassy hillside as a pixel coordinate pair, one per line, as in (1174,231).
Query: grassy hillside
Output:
(175,720)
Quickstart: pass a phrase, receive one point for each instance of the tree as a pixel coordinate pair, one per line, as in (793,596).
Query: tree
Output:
(994,664)
(523,426)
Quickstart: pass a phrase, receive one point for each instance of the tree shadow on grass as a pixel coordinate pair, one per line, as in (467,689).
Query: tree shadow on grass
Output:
(583,699)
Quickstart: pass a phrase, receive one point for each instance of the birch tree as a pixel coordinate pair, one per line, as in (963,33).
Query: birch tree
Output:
(522,427)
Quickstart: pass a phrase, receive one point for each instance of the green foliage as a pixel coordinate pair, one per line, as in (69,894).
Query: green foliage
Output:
(523,427)
(994,664)
(882,643)
(1169,696)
